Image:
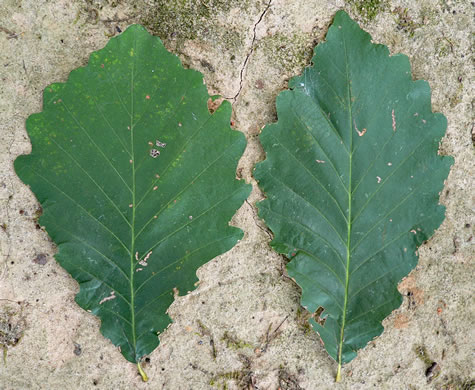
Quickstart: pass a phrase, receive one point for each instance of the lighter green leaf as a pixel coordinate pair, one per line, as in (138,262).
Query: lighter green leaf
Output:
(137,183)
(352,179)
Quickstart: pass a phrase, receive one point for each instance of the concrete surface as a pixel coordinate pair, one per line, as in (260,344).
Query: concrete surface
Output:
(245,305)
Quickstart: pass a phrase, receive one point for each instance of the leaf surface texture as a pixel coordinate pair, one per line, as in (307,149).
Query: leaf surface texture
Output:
(352,179)
(137,183)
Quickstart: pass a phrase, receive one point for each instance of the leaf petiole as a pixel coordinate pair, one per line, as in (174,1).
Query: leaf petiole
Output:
(338,373)
(142,373)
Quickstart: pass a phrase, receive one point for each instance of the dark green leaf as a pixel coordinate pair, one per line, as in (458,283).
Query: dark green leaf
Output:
(137,183)
(352,179)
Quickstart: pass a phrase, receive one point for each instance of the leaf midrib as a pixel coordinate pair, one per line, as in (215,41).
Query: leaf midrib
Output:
(348,220)
(132,244)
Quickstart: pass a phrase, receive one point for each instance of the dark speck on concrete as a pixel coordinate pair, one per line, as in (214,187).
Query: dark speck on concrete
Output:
(77,349)
(40,259)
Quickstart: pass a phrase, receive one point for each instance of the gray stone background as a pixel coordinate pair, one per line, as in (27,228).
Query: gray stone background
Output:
(246,310)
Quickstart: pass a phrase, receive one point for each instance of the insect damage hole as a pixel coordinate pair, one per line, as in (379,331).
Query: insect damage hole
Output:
(154,153)
(317,316)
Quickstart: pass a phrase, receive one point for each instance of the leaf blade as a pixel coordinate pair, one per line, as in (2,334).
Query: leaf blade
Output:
(363,143)
(132,224)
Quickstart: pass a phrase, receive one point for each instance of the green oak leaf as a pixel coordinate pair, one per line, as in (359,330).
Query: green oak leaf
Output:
(352,179)
(137,183)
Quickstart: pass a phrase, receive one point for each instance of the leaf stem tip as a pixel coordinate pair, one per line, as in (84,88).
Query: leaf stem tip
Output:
(338,374)
(142,373)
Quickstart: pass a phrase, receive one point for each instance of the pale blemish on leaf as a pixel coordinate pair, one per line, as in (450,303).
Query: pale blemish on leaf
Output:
(109,298)
(360,133)
(143,262)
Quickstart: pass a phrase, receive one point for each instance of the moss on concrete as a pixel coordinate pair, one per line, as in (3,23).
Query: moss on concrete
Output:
(187,19)
(367,9)
(405,21)
(234,343)
(242,378)
(458,384)
(12,326)
(289,53)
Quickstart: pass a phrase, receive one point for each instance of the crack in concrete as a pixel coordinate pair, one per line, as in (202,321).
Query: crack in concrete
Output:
(251,50)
